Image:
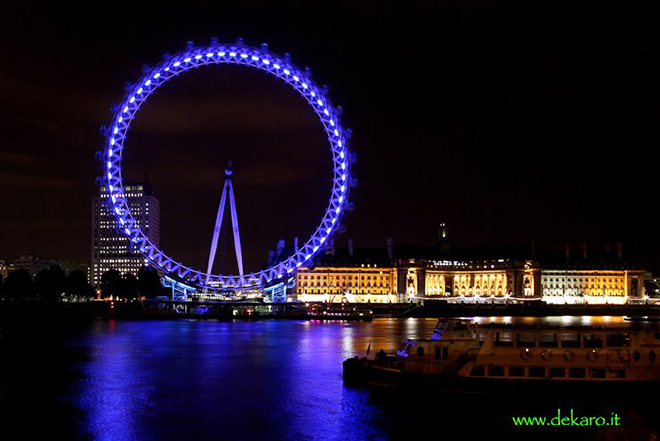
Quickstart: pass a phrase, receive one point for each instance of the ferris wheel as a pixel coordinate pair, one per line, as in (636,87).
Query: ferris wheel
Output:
(217,54)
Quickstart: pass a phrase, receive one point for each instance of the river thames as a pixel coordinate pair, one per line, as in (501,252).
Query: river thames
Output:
(104,379)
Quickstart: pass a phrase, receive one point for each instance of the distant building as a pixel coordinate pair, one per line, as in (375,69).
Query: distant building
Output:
(110,248)
(5,268)
(33,264)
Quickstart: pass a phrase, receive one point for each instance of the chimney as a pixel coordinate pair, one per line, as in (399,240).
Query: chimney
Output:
(280,247)
(350,246)
(567,249)
(619,253)
(584,251)
(295,244)
(389,247)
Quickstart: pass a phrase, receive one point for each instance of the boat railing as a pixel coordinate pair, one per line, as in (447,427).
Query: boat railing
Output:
(466,357)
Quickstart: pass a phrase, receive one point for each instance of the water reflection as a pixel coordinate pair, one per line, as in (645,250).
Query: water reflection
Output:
(274,379)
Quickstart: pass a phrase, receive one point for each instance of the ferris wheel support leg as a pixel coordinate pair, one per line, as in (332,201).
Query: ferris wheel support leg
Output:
(237,235)
(216,231)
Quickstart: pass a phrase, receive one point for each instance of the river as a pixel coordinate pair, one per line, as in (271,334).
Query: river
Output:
(104,379)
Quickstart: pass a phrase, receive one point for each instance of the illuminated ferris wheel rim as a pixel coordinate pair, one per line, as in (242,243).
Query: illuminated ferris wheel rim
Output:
(226,54)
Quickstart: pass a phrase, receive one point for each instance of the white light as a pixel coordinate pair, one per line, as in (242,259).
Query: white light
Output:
(109,175)
(341,154)
(338,209)
(341,199)
(266,61)
(289,270)
(328,230)
(127,231)
(187,60)
(255,58)
(296,78)
(166,69)
(304,85)
(323,239)
(139,91)
(222,54)
(286,72)
(197,57)
(298,264)
(334,220)
(342,188)
(157,75)
(121,118)
(320,102)
(147,83)
(327,113)
(332,123)
(316,249)
(110,151)
(125,109)
(343,166)
(244,56)
(308,256)
(232,54)
(343,177)
(276,66)
(115,130)
(112,142)
(109,164)
(132,100)
(312,93)
(111,188)
(210,54)
(177,64)
(336,132)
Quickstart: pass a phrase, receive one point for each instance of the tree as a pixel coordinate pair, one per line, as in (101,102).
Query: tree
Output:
(110,283)
(77,284)
(129,286)
(50,283)
(19,284)
(148,282)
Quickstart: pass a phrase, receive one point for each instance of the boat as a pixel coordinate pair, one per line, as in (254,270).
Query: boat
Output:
(463,355)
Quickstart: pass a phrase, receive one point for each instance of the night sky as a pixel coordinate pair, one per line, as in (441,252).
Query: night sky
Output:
(507,129)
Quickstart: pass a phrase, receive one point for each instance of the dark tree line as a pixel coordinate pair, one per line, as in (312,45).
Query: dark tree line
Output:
(53,284)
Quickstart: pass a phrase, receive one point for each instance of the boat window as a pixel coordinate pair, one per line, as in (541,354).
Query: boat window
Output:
(516,371)
(652,356)
(636,356)
(537,372)
(557,373)
(597,373)
(576,372)
(526,339)
(477,371)
(420,351)
(437,352)
(445,353)
(504,339)
(618,373)
(495,371)
(618,340)
(403,346)
(593,341)
(570,340)
(548,340)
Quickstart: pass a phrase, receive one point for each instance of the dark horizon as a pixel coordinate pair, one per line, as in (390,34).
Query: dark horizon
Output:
(506,130)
